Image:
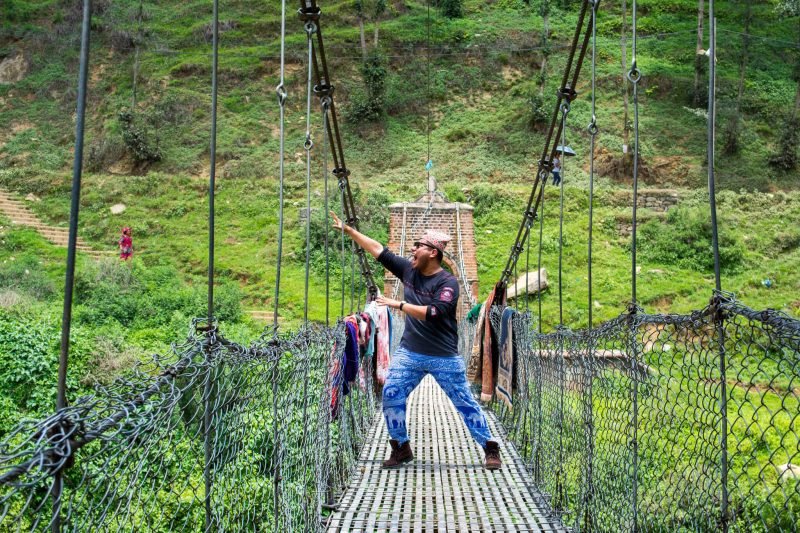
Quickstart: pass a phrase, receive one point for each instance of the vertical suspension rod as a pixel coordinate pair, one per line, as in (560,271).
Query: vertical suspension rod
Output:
(310,11)
(69,282)
(566,92)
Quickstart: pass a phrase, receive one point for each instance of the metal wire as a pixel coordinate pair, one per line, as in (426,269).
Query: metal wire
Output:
(311,28)
(69,281)
(133,455)
(678,481)
(280,90)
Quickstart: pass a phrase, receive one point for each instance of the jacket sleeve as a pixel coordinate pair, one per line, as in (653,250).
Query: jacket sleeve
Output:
(444,301)
(395,264)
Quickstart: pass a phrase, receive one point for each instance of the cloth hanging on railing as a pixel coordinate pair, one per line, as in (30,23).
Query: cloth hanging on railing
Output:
(383,339)
(351,353)
(482,365)
(505,362)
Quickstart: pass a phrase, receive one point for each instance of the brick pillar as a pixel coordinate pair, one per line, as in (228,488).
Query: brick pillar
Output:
(442,217)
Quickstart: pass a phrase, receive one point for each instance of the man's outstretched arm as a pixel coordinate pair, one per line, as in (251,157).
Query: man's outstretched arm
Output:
(373,247)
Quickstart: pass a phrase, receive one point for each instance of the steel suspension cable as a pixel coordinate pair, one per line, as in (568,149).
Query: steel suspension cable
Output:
(634,76)
(429,163)
(566,93)
(343,256)
(280,90)
(69,278)
(593,130)
(712,124)
(719,325)
(207,388)
(213,157)
(589,402)
(325,108)
(310,28)
(564,113)
(309,11)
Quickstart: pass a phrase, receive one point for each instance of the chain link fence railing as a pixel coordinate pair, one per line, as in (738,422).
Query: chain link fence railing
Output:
(213,436)
(662,422)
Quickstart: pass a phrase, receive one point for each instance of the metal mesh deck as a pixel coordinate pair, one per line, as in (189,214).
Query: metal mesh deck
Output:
(446,487)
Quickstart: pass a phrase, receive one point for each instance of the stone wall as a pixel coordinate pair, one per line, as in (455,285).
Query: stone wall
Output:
(442,217)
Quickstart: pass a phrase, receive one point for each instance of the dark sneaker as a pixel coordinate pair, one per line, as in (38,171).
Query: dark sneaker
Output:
(492,461)
(400,454)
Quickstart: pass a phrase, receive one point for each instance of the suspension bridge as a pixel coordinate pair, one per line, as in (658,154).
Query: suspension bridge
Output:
(646,422)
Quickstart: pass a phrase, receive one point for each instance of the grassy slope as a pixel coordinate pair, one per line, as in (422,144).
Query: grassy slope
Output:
(478,108)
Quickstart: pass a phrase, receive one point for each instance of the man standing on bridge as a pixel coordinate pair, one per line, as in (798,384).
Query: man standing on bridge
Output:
(429,344)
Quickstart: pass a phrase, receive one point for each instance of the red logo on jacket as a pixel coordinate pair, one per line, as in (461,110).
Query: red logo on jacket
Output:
(446,295)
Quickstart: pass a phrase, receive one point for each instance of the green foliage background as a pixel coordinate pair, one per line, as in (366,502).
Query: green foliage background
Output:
(477,99)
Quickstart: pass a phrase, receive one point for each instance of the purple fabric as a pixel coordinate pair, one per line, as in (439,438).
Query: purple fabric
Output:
(350,356)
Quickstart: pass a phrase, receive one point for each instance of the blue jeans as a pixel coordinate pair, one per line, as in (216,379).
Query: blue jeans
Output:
(556,178)
(407,370)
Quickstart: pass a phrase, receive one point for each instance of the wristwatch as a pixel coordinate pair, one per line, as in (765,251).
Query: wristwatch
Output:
(402,304)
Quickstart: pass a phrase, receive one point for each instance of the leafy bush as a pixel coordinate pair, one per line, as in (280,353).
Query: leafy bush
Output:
(685,241)
(786,158)
(539,114)
(369,105)
(142,147)
(25,275)
(484,198)
(29,347)
(451,8)
(137,296)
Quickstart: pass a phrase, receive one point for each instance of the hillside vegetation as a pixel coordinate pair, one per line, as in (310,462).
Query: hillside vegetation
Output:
(481,85)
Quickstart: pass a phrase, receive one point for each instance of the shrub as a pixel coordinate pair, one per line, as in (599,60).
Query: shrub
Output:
(538,114)
(786,158)
(685,241)
(451,8)
(484,198)
(142,147)
(369,105)
(136,296)
(25,276)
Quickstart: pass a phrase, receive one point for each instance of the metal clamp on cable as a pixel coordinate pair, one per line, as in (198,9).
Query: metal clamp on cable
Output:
(341,173)
(310,28)
(634,74)
(308,144)
(568,93)
(545,165)
(326,102)
(280,90)
(309,13)
(634,308)
(324,90)
(592,127)
(203,326)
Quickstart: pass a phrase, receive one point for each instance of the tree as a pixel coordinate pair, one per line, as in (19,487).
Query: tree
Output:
(359,7)
(379,8)
(699,58)
(786,157)
(624,45)
(733,129)
(545,12)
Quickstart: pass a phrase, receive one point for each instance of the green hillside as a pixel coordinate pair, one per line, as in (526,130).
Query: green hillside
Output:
(476,85)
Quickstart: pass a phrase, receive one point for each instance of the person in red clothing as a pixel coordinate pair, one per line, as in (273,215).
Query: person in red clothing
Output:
(125,244)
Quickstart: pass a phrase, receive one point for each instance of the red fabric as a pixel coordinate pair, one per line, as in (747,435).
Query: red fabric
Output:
(125,247)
